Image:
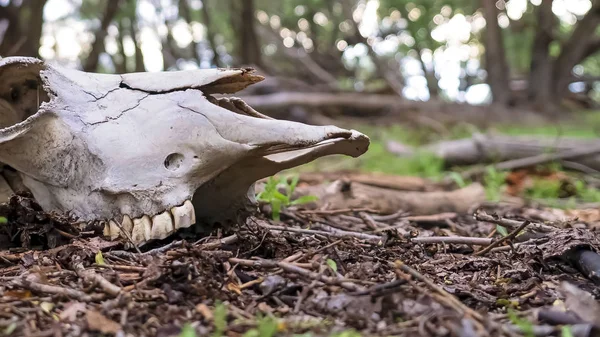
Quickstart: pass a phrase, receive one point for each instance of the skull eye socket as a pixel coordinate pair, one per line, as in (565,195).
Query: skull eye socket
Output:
(15,94)
(174,161)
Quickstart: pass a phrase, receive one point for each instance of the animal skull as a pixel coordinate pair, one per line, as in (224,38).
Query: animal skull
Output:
(145,154)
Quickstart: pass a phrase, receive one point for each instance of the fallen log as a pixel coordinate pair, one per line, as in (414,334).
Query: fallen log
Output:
(513,152)
(401,183)
(370,105)
(342,194)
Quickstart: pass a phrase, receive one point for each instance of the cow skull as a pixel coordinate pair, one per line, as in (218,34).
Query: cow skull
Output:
(145,154)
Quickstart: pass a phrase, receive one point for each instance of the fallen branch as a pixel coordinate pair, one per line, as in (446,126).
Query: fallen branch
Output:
(291,268)
(512,152)
(392,105)
(435,288)
(500,241)
(92,277)
(467,240)
(54,290)
(395,182)
(335,234)
(513,224)
(344,194)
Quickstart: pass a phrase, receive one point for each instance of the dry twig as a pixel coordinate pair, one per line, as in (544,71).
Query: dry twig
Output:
(510,236)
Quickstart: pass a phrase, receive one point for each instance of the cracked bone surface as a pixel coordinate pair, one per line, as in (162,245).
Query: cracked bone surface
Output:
(145,154)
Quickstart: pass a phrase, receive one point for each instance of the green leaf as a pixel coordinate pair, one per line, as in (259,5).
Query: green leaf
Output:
(281,197)
(566,331)
(292,186)
(458,179)
(267,327)
(332,265)
(252,333)
(305,199)
(99,258)
(3,220)
(187,331)
(502,230)
(523,324)
(220,319)
(276,209)
(10,329)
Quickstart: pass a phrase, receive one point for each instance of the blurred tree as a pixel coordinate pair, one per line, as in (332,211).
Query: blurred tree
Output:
(495,58)
(540,74)
(249,50)
(24,21)
(529,56)
(91,63)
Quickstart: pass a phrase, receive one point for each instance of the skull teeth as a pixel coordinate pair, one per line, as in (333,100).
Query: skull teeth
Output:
(184,216)
(160,226)
(114,229)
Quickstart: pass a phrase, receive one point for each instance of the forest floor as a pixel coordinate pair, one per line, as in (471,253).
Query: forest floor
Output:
(498,269)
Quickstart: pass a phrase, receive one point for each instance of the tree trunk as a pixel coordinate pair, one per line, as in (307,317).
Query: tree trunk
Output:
(34,28)
(540,76)
(139,56)
(12,40)
(249,52)
(432,81)
(210,35)
(393,78)
(495,58)
(574,50)
(91,64)
(121,63)
(185,13)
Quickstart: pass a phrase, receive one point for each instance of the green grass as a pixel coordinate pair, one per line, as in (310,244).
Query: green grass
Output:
(379,159)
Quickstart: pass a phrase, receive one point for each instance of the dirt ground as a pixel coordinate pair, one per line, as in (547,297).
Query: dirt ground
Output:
(314,273)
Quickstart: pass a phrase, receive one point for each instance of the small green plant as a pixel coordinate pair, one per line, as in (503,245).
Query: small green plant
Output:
(523,324)
(278,200)
(347,333)
(458,179)
(501,230)
(566,331)
(544,189)
(187,331)
(220,319)
(99,258)
(494,181)
(585,193)
(332,265)
(266,327)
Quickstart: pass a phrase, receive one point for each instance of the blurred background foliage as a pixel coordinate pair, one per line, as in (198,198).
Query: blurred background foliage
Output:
(538,55)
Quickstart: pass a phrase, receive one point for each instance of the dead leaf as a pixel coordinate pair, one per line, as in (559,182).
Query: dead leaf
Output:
(47,306)
(98,322)
(20,294)
(233,288)
(95,243)
(71,311)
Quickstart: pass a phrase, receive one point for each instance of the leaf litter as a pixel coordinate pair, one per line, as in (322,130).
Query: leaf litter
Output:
(310,273)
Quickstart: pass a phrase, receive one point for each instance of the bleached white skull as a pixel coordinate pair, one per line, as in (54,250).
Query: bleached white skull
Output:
(147,153)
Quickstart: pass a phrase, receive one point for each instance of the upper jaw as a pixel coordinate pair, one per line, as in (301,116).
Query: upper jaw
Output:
(230,194)
(150,227)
